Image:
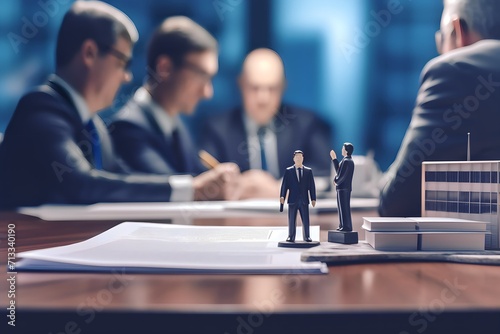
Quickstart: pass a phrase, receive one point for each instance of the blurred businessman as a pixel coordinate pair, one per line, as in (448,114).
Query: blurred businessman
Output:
(148,133)
(459,93)
(55,149)
(259,134)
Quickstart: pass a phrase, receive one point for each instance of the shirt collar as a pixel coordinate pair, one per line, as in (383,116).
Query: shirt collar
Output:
(250,125)
(77,98)
(166,122)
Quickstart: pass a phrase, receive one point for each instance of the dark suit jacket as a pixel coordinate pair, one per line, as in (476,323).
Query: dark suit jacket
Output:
(459,93)
(46,158)
(298,193)
(345,171)
(140,142)
(224,136)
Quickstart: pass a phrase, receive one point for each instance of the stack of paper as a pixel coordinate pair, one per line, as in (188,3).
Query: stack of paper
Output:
(149,247)
(424,233)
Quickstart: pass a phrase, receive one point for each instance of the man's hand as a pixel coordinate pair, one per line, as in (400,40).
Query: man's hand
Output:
(256,183)
(219,183)
(333,155)
(313,203)
(282,200)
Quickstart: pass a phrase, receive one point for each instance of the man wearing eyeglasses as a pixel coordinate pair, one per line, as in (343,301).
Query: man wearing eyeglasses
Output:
(148,132)
(459,93)
(258,134)
(56,149)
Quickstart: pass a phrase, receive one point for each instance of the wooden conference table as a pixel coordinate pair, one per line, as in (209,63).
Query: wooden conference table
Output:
(357,298)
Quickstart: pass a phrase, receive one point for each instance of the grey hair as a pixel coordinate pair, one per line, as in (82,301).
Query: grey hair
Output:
(481,16)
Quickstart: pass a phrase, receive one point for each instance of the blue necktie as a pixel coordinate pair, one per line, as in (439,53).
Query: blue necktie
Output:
(261,133)
(95,143)
(300,174)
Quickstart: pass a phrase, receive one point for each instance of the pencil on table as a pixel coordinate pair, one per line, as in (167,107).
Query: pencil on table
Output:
(207,159)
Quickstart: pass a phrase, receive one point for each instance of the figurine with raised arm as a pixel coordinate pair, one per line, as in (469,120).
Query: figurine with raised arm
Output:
(298,182)
(343,184)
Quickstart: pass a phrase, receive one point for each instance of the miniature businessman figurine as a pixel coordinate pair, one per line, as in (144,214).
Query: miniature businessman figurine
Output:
(298,181)
(343,182)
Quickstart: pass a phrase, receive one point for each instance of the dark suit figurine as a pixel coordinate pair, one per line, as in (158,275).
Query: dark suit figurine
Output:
(298,182)
(343,183)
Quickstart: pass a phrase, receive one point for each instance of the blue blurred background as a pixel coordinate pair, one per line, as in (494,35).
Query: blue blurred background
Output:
(357,62)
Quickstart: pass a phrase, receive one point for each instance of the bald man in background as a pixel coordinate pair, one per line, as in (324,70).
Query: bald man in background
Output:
(260,135)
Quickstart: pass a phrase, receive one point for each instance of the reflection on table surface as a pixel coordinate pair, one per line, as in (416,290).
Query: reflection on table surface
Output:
(394,290)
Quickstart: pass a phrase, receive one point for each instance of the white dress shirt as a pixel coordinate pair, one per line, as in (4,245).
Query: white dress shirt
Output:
(270,147)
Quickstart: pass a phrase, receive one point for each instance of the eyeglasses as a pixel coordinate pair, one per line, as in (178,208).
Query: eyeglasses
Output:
(204,75)
(121,56)
(273,89)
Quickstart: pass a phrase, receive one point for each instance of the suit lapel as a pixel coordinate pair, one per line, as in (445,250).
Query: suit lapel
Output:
(241,140)
(294,183)
(184,145)
(164,142)
(108,161)
(184,148)
(295,179)
(303,183)
(150,120)
(67,98)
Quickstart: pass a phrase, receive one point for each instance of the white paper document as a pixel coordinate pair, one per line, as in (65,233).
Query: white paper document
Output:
(183,210)
(150,247)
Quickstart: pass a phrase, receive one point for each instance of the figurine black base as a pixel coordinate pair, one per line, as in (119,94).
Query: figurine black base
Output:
(341,237)
(298,244)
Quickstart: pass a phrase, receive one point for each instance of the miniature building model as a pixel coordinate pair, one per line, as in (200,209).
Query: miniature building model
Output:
(463,189)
